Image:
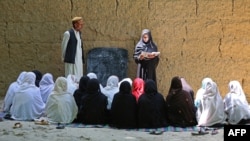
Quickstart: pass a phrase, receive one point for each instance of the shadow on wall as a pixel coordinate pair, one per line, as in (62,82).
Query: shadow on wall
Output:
(106,61)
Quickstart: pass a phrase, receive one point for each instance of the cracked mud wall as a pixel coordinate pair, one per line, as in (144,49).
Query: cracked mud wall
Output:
(196,38)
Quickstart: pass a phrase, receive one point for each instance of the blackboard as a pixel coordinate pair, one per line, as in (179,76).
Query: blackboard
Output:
(107,61)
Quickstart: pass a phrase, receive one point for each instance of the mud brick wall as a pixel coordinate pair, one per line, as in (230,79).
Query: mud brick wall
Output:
(196,38)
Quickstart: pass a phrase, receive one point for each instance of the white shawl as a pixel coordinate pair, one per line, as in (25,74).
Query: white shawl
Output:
(14,86)
(61,106)
(236,105)
(27,101)
(211,109)
(111,89)
(72,83)
(46,86)
(200,91)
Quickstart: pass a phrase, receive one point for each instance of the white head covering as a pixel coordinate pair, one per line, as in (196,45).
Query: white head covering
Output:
(111,89)
(14,86)
(27,102)
(46,86)
(92,75)
(211,109)
(126,79)
(236,105)
(201,90)
(61,106)
(72,83)
(21,77)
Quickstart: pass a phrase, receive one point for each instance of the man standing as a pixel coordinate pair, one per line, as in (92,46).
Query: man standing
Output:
(72,49)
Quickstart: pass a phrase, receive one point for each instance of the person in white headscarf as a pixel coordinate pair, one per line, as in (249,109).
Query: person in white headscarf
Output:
(46,86)
(13,87)
(72,83)
(61,106)
(92,75)
(201,90)
(27,102)
(210,111)
(130,81)
(236,105)
(111,89)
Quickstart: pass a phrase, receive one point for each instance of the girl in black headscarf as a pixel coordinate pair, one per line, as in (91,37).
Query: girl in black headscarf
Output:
(146,63)
(94,109)
(181,111)
(81,91)
(79,94)
(124,108)
(151,107)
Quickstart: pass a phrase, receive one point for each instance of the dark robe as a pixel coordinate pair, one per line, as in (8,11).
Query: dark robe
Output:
(151,107)
(94,109)
(146,68)
(124,108)
(180,106)
(79,94)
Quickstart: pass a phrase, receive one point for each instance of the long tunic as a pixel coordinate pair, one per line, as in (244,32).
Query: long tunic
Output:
(77,67)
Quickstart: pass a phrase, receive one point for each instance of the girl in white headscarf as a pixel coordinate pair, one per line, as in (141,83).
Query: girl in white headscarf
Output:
(46,86)
(14,86)
(210,111)
(111,89)
(201,90)
(61,106)
(236,105)
(27,102)
(72,83)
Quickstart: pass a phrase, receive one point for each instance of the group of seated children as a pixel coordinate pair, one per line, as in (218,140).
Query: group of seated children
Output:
(123,104)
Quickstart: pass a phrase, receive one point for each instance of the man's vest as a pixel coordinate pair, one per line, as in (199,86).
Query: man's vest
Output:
(71,48)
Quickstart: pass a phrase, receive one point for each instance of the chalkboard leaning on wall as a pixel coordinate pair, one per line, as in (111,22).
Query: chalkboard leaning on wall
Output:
(106,61)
